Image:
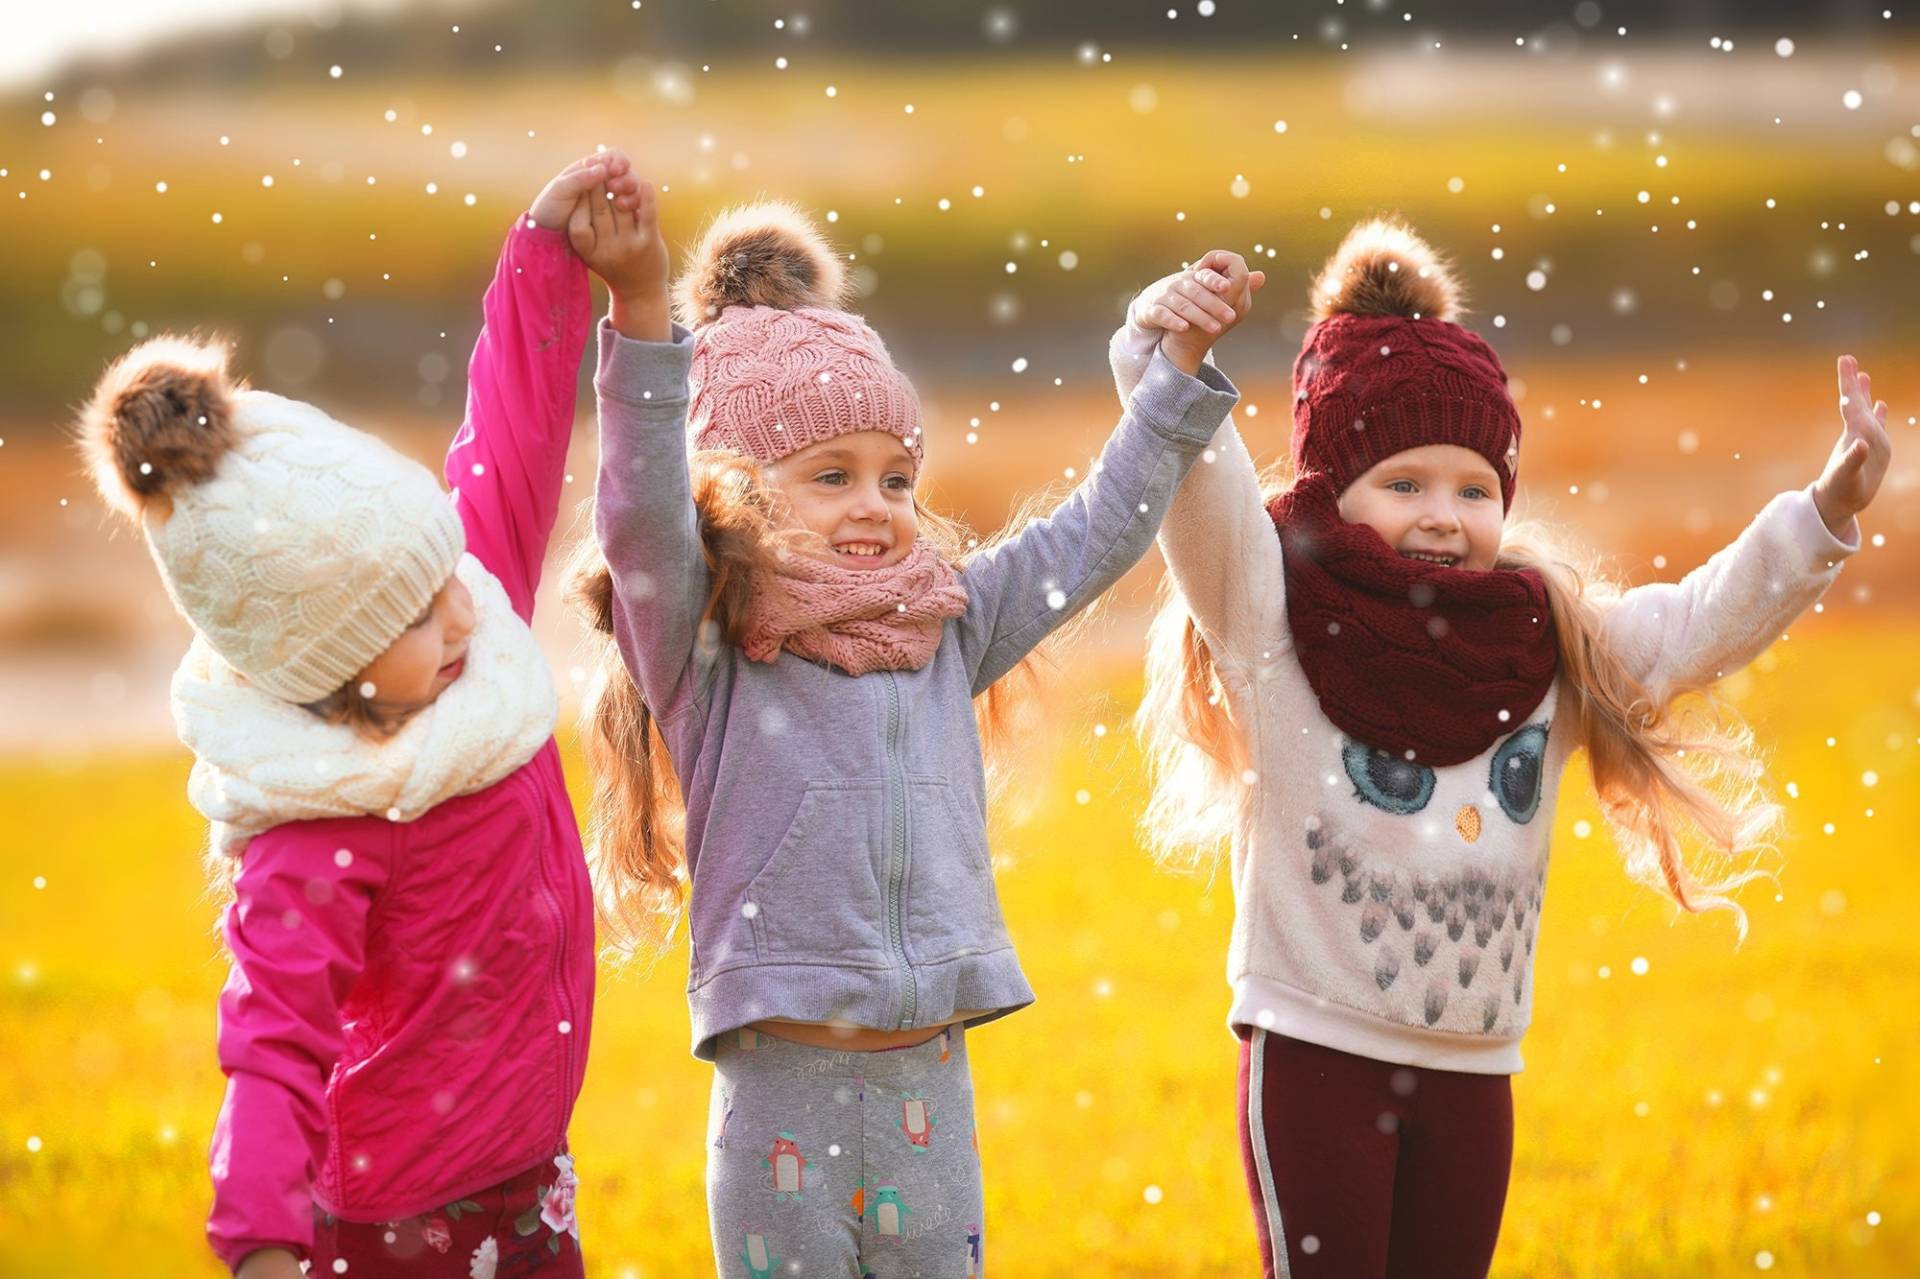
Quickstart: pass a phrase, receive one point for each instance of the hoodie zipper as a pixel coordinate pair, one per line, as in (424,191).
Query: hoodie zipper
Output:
(896,862)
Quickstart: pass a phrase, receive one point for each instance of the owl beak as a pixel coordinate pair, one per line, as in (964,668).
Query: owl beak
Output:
(1467,822)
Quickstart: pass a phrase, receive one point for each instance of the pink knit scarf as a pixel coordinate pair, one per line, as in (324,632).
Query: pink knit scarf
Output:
(859,620)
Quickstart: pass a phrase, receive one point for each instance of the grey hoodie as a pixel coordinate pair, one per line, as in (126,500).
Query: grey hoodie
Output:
(836,825)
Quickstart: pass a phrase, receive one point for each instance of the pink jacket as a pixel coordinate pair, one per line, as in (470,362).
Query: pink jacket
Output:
(409,1023)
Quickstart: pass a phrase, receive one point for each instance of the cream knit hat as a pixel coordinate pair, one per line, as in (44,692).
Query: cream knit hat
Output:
(299,548)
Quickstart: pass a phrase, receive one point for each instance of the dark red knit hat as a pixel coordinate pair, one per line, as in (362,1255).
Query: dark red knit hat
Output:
(1387,368)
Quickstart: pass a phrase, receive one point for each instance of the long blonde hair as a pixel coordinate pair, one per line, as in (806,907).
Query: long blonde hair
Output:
(636,824)
(1658,767)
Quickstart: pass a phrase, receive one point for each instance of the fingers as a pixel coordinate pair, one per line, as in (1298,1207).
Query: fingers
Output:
(575,181)
(1205,298)
(1191,310)
(646,206)
(623,219)
(1851,461)
(580,224)
(602,212)
(1161,316)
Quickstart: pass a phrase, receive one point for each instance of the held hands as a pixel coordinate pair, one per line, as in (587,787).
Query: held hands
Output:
(615,229)
(556,200)
(1198,306)
(1860,457)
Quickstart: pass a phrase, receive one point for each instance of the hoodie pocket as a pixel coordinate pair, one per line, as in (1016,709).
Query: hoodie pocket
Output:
(951,908)
(818,900)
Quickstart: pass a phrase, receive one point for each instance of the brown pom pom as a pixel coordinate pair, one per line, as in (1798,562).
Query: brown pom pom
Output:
(159,421)
(1384,268)
(764,254)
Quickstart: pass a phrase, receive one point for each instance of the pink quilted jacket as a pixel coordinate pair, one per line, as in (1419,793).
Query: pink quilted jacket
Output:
(407,1015)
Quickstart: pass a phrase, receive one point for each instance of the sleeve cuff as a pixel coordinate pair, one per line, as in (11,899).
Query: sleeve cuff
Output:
(1132,340)
(1811,534)
(1186,410)
(645,373)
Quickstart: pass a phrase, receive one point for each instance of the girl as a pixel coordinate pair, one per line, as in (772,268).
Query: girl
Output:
(405,1024)
(1368,684)
(806,652)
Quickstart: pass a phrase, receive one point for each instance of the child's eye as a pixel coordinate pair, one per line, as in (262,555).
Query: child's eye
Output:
(423,619)
(831,477)
(1474,490)
(899,483)
(1401,486)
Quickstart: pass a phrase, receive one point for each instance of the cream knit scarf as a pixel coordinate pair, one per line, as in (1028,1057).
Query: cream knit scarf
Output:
(260,761)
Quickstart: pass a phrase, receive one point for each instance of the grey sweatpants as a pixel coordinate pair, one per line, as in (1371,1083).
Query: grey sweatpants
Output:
(844,1165)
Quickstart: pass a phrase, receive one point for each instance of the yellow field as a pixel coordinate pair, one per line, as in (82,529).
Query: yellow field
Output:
(1721,1106)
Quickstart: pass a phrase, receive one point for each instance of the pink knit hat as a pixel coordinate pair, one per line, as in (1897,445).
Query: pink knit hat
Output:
(777,365)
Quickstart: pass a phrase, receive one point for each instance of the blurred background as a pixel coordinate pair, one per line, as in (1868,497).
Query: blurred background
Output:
(1670,219)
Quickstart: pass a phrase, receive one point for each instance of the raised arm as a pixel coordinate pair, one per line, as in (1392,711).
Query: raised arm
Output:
(296,932)
(1218,542)
(644,514)
(508,462)
(1726,612)
(1023,588)
(1677,635)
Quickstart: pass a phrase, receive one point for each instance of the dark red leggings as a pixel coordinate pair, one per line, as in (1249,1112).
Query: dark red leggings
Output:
(1362,1169)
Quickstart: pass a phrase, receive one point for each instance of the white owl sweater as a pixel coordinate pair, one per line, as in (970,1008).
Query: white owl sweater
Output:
(1389,909)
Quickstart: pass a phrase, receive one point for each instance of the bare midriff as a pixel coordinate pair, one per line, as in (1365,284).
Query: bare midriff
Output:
(862,1039)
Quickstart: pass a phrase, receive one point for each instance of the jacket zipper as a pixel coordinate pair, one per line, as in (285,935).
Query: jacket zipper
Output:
(560,965)
(896,863)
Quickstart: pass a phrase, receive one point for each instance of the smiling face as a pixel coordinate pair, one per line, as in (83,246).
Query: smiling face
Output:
(856,491)
(427,657)
(1438,501)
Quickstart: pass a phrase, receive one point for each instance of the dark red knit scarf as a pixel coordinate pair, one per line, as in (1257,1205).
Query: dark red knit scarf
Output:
(1405,656)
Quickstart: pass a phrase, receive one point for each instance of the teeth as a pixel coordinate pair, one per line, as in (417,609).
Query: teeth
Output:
(860,548)
(1431,559)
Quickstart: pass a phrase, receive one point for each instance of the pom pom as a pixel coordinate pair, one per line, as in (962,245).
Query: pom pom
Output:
(160,420)
(1383,268)
(764,254)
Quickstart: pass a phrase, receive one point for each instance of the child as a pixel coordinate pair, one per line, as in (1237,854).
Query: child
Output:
(807,652)
(405,1026)
(1374,707)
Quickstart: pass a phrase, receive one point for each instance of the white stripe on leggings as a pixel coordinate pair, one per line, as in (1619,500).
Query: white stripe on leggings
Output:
(1257,1135)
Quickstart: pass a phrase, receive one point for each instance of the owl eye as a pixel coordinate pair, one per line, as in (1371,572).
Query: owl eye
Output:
(1514,777)
(1386,781)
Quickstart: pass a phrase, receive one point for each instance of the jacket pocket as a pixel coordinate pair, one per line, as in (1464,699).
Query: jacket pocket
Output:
(819,897)
(951,908)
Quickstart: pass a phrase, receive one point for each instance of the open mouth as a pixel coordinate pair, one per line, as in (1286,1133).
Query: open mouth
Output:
(864,554)
(1428,557)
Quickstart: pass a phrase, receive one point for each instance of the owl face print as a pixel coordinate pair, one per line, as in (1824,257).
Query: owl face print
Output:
(1432,879)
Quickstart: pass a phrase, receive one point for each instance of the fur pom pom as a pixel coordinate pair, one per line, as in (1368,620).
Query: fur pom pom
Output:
(764,254)
(1384,268)
(159,421)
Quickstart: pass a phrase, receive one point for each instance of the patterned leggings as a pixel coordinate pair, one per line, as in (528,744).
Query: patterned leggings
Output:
(844,1165)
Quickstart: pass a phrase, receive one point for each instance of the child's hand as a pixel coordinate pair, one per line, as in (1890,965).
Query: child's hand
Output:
(1198,306)
(1859,459)
(269,1263)
(555,202)
(625,247)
